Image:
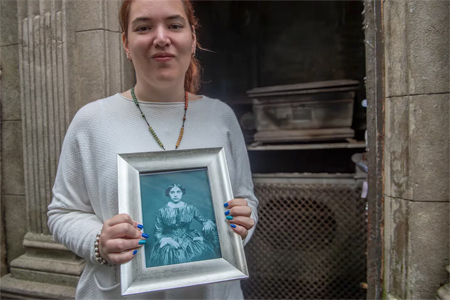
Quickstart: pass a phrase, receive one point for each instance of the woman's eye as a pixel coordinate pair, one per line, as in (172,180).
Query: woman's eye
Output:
(176,26)
(143,28)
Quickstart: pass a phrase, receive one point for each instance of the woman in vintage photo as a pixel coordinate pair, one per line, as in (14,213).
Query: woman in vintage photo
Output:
(176,242)
(162,111)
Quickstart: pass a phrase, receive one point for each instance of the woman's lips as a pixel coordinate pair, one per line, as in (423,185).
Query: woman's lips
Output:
(161,57)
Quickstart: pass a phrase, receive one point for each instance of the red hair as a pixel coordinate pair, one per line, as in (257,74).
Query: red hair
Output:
(192,76)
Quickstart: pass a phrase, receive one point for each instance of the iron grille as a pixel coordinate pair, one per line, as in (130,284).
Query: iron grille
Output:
(310,242)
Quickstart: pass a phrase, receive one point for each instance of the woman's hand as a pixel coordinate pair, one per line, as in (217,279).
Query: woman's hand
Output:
(238,214)
(170,241)
(120,237)
(209,225)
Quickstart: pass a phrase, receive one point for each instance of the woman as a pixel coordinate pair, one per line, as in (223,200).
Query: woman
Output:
(176,242)
(159,39)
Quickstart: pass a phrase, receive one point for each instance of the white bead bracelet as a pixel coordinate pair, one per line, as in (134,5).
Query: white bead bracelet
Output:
(100,259)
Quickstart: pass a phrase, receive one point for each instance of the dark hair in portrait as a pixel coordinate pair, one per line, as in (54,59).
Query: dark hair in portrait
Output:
(175,185)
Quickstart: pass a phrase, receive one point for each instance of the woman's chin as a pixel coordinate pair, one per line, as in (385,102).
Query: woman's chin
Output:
(168,77)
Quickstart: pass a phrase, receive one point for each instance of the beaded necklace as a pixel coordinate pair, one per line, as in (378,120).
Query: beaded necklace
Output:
(155,136)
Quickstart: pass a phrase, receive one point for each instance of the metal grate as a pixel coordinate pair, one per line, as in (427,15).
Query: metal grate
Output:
(310,242)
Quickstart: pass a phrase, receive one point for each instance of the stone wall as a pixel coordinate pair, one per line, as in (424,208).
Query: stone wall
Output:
(416,147)
(12,172)
(56,56)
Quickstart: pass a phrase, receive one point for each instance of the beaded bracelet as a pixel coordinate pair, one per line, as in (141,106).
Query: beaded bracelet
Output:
(100,259)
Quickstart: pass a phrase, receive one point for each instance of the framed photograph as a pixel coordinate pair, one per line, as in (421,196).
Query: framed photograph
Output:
(178,196)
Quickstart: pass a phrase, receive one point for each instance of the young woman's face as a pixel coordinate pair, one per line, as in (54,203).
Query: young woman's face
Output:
(175,194)
(160,40)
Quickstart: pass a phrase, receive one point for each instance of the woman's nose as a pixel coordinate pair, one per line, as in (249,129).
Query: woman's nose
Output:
(161,38)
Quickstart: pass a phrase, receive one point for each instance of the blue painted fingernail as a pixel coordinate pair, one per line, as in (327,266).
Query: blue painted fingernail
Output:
(227,212)
(233,226)
(134,252)
(230,217)
(226,204)
(145,236)
(142,242)
(140,226)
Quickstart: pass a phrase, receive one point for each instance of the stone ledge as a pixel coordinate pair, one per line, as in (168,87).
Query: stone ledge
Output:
(444,290)
(49,265)
(45,277)
(391,297)
(12,288)
(415,248)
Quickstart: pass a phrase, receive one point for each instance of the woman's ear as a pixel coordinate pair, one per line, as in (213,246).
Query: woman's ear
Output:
(125,46)
(194,42)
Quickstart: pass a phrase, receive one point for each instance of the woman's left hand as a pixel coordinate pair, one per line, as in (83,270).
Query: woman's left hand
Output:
(238,215)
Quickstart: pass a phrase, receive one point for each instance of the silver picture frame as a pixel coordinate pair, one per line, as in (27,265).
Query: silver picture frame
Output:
(135,277)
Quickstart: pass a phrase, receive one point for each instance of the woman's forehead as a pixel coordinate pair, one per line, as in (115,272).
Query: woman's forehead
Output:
(175,188)
(156,9)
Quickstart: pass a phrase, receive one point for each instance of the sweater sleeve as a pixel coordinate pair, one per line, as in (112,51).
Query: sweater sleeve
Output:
(71,218)
(239,165)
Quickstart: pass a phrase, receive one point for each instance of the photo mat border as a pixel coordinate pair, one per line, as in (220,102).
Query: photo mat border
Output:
(135,277)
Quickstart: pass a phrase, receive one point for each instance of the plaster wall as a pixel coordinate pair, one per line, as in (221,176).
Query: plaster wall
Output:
(416,183)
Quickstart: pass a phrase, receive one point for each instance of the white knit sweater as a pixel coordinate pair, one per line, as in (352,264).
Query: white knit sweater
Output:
(85,190)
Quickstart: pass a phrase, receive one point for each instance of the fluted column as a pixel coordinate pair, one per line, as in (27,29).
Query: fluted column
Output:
(69,55)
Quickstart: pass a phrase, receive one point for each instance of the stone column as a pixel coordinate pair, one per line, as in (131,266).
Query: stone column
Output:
(70,54)
(416,147)
(12,209)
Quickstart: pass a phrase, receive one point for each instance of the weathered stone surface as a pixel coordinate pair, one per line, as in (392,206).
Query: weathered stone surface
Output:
(112,13)
(429,147)
(444,290)
(416,47)
(112,64)
(97,14)
(3,265)
(90,14)
(12,160)
(100,69)
(91,69)
(12,287)
(47,261)
(396,146)
(416,247)
(72,56)
(45,277)
(15,225)
(8,23)
(10,81)
(395,48)
(50,261)
(428,43)
(417,148)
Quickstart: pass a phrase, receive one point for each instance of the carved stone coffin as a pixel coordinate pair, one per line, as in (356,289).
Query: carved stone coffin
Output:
(316,111)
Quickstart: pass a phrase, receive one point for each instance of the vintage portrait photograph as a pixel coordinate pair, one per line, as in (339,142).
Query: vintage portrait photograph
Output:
(178,214)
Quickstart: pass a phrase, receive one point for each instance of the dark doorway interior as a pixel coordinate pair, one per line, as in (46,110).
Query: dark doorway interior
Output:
(265,43)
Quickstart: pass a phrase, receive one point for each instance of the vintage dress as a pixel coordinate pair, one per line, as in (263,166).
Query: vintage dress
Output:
(85,189)
(175,223)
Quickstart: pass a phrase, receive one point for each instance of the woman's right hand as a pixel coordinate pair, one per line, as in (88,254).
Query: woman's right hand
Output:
(170,241)
(120,237)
